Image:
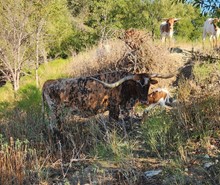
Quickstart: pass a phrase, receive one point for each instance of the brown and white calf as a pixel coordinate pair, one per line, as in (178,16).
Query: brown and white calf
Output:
(211,28)
(166,29)
(159,96)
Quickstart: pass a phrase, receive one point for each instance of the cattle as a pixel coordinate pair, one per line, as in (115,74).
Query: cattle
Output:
(211,28)
(159,96)
(166,29)
(88,96)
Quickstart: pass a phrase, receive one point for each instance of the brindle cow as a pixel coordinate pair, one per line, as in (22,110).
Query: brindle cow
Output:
(89,96)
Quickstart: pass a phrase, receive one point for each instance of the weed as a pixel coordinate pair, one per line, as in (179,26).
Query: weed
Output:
(16,160)
(202,72)
(155,132)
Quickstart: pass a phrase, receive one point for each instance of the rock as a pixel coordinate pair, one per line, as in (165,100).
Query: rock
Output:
(208,164)
(152,173)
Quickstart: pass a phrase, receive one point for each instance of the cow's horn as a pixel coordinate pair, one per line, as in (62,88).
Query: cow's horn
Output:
(155,75)
(116,84)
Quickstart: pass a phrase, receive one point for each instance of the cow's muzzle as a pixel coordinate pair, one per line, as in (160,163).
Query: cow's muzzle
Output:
(144,102)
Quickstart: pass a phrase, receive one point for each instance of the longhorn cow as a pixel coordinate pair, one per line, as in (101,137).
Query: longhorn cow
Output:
(87,96)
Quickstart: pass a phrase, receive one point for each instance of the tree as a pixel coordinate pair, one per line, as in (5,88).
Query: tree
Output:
(52,25)
(31,28)
(15,38)
(207,6)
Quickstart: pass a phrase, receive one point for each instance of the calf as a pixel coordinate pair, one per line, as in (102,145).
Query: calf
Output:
(211,28)
(160,97)
(166,29)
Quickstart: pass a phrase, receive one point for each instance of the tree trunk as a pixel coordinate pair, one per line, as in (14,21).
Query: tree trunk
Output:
(16,84)
(37,61)
(44,53)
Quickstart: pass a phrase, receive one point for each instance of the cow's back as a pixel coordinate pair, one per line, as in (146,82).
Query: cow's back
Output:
(83,95)
(209,27)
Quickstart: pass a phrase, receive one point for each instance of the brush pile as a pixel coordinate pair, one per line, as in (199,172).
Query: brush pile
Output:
(134,52)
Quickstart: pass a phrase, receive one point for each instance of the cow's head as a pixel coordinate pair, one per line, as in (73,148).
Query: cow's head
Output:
(170,22)
(215,22)
(142,83)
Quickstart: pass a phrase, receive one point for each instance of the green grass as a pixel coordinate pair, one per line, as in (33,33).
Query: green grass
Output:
(155,132)
(202,72)
(58,68)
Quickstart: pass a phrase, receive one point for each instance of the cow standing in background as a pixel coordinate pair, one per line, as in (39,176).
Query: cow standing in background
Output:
(166,29)
(211,28)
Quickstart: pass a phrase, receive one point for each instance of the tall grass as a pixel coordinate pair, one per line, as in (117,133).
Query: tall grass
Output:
(18,162)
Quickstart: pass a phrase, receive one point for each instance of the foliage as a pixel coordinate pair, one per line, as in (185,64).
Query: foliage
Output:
(76,42)
(202,72)
(207,6)
(58,24)
(29,25)
(155,132)
(111,15)
(191,23)
(17,160)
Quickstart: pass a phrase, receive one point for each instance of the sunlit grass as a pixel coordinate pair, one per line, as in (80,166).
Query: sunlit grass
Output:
(202,72)
(56,69)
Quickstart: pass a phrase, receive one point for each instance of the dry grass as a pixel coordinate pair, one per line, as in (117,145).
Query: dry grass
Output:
(17,161)
(123,54)
(98,58)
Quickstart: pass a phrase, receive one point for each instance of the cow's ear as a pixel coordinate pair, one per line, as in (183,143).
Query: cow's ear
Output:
(153,81)
(176,19)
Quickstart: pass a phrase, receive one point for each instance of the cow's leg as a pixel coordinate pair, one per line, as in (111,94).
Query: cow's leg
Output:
(52,107)
(55,123)
(216,43)
(203,39)
(211,40)
(114,112)
(163,39)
